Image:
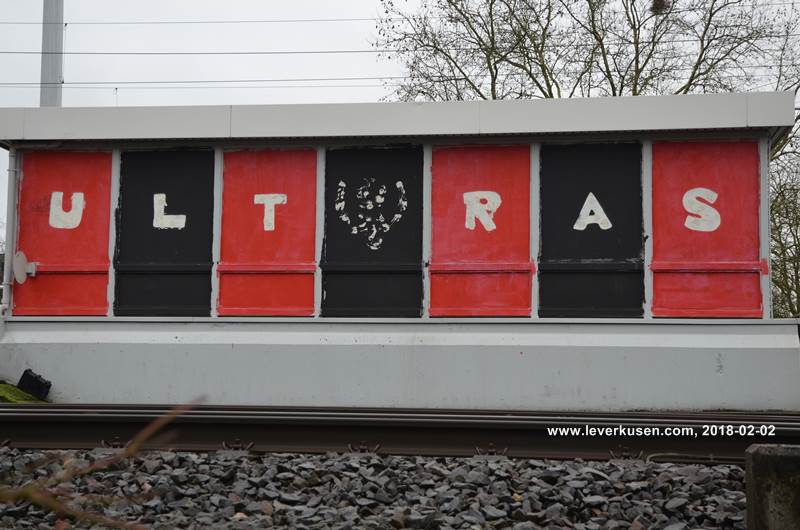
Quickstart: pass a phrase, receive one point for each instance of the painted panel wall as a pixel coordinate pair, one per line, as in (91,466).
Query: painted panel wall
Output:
(592,245)
(164,233)
(63,227)
(705,229)
(267,260)
(480,260)
(372,252)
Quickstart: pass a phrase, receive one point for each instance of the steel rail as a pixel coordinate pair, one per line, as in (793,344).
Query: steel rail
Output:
(389,431)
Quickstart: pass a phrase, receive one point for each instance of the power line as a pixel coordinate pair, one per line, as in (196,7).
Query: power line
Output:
(212,83)
(588,44)
(198,22)
(207,81)
(321,52)
(264,52)
(737,67)
(36,86)
(285,20)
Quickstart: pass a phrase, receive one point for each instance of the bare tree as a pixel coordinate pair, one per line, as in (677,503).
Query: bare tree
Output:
(495,49)
(785,228)
(502,49)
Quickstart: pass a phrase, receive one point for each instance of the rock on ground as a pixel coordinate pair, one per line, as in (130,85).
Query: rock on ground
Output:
(236,490)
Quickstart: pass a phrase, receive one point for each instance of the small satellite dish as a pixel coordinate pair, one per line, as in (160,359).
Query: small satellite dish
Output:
(22,267)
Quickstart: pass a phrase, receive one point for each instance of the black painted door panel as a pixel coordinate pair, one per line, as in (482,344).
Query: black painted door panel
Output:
(591,231)
(164,233)
(372,255)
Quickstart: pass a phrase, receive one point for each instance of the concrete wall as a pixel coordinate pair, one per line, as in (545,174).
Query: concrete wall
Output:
(579,365)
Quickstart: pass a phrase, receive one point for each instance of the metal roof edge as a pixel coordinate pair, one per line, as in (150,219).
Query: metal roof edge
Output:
(767,110)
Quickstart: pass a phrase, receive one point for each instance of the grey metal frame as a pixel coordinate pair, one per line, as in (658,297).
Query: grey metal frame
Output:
(442,320)
(764,226)
(319,234)
(647,218)
(11,229)
(535,223)
(116,162)
(427,227)
(219,164)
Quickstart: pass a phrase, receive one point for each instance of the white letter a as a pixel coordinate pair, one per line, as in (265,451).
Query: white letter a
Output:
(592,213)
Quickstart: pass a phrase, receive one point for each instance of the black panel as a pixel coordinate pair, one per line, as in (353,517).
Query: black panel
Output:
(163,294)
(591,294)
(596,270)
(373,230)
(377,294)
(165,271)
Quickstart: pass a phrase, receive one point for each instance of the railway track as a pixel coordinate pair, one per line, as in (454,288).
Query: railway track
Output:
(391,431)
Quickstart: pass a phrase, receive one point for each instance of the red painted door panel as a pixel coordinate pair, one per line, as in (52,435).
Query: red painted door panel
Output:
(63,227)
(480,262)
(267,256)
(706,229)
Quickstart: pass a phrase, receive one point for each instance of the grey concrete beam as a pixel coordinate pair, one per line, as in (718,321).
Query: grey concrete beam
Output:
(534,365)
(773,487)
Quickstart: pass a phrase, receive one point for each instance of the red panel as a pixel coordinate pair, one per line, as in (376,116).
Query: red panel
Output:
(706,229)
(267,258)
(724,294)
(69,244)
(276,294)
(480,262)
(476,294)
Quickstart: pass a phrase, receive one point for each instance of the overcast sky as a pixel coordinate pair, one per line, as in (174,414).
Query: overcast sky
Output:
(351,35)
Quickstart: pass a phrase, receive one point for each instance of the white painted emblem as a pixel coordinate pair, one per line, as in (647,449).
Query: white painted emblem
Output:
(269,200)
(705,218)
(163,220)
(66,220)
(592,213)
(481,205)
(368,217)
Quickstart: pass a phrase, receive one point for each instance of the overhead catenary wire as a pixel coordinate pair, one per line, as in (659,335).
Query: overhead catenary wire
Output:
(231,83)
(730,74)
(197,87)
(290,20)
(207,81)
(212,52)
(588,44)
(199,22)
(225,84)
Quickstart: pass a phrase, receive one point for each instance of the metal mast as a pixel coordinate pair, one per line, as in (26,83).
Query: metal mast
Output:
(52,53)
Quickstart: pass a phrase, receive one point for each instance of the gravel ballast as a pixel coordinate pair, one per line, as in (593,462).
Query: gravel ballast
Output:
(233,489)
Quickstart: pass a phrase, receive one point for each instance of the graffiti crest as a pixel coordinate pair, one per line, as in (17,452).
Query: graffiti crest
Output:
(369,212)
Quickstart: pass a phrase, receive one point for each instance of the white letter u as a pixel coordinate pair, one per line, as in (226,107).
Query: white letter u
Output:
(66,220)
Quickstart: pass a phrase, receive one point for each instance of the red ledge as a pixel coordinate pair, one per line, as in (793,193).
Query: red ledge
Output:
(710,266)
(87,268)
(708,313)
(266,311)
(479,312)
(60,311)
(255,268)
(514,267)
